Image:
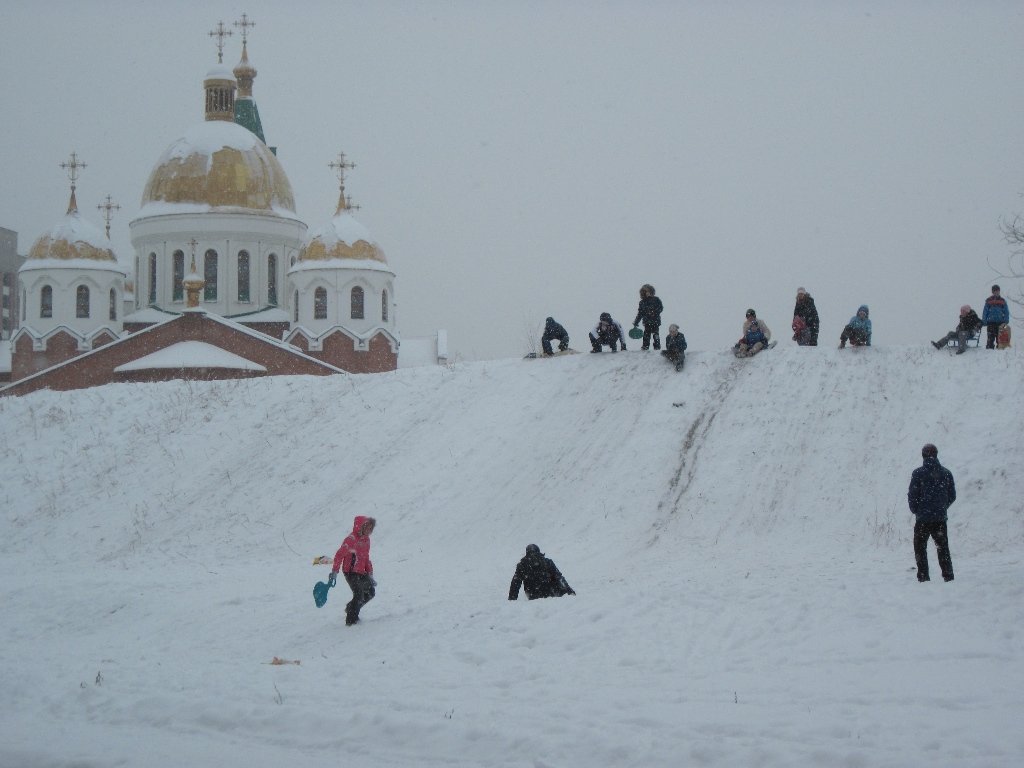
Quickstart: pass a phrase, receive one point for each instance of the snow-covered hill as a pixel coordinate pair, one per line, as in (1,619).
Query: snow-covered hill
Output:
(737,535)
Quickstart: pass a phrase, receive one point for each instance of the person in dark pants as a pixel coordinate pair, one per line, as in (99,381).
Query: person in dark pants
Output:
(649,311)
(993,315)
(353,559)
(931,493)
(538,576)
(675,347)
(805,332)
(969,325)
(552,331)
(607,331)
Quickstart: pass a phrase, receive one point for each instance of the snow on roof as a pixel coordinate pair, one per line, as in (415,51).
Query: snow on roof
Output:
(371,264)
(149,315)
(76,264)
(266,315)
(191,354)
(164,208)
(209,137)
(220,72)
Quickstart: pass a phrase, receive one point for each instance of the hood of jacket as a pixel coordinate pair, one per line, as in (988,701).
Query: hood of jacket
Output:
(357,523)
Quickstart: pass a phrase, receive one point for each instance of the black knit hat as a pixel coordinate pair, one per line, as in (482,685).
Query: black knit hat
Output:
(929,451)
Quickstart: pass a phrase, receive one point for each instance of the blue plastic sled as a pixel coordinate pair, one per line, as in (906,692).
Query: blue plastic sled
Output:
(320,593)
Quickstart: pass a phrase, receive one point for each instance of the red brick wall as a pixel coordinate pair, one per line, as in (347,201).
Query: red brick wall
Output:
(338,351)
(98,367)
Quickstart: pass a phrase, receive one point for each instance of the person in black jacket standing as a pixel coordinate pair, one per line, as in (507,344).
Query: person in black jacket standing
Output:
(538,576)
(805,330)
(649,311)
(931,493)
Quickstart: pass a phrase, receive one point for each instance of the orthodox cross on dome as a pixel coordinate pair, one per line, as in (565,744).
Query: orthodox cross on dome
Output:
(220,32)
(108,209)
(72,166)
(193,283)
(245,25)
(340,166)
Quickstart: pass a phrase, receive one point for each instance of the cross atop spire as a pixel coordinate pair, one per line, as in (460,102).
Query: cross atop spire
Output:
(72,166)
(220,32)
(108,209)
(340,166)
(245,25)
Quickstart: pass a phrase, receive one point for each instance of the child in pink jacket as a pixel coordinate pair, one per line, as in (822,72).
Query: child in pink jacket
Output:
(353,559)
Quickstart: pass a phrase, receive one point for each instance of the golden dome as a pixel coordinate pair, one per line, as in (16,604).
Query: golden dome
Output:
(342,238)
(220,165)
(72,238)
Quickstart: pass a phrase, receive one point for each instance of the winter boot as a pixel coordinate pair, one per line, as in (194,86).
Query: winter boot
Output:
(936,345)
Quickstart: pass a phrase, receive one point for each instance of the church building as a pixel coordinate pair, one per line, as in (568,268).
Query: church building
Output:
(226,280)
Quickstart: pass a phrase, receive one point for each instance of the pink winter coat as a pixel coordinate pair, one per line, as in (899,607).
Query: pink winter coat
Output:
(354,554)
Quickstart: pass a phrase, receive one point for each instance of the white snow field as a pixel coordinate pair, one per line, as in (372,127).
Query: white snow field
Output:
(737,533)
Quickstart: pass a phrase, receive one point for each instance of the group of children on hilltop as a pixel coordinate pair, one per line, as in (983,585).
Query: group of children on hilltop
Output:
(608,331)
(757,336)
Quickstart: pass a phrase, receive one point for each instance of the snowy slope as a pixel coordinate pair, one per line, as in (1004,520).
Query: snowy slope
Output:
(737,534)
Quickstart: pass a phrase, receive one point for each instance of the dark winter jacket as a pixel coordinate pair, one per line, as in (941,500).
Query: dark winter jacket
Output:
(932,491)
(675,344)
(554,330)
(807,312)
(649,311)
(969,323)
(539,578)
(995,311)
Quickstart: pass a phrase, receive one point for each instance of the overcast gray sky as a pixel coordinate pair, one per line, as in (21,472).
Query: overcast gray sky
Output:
(523,159)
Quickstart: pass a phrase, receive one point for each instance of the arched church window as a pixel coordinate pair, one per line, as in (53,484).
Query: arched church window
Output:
(178,291)
(82,301)
(295,304)
(243,276)
(113,304)
(46,301)
(272,279)
(320,304)
(357,303)
(384,306)
(23,304)
(152,278)
(210,276)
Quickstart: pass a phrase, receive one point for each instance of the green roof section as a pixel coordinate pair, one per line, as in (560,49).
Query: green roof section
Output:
(247,115)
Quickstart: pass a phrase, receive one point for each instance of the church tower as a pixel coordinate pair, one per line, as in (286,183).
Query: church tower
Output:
(343,293)
(220,185)
(71,289)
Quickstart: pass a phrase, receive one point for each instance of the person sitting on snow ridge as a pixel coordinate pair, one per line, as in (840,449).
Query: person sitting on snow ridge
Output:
(858,330)
(675,347)
(969,325)
(756,336)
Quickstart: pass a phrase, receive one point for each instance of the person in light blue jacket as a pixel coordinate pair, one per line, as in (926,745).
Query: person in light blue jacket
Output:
(858,330)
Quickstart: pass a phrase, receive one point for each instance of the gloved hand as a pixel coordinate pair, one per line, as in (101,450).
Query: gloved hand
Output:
(373,581)
(332,579)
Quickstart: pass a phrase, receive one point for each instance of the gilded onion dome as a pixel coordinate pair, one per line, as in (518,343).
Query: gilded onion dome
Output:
(72,238)
(219,165)
(342,238)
